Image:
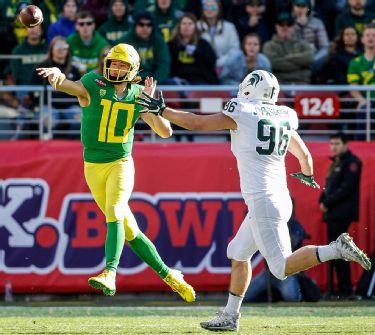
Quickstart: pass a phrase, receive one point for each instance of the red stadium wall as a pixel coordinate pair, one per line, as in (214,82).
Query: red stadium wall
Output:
(186,199)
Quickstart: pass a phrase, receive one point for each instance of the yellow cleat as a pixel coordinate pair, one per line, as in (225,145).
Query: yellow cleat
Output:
(106,281)
(175,280)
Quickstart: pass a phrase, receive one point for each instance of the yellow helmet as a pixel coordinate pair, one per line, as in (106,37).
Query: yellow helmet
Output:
(124,53)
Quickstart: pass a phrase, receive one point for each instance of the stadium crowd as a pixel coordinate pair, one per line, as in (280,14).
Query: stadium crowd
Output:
(192,42)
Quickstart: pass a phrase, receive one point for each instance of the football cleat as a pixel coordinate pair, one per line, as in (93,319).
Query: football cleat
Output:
(223,321)
(175,279)
(348,251)
(106,281)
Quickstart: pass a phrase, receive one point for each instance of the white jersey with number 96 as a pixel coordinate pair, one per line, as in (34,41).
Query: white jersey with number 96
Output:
(260,144)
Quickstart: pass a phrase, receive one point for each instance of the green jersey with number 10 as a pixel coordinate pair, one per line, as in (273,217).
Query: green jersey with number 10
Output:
(107,128)
(260,144)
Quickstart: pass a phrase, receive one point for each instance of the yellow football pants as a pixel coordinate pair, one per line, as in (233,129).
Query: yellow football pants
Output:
(111,185)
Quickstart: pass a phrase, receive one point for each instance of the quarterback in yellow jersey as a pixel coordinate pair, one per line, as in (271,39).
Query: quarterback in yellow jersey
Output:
(109,114)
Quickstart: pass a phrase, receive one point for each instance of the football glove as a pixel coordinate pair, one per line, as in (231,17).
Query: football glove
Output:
(307,180)
(152,105)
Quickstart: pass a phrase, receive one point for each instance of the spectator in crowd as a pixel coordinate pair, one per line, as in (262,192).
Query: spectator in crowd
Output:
(346,47)
(8,112)
(289,289)
(98,9)
(339,202)
(150,5)
(66,24)
(86,44)
(166,17)
(154,53)
(50,10)
(31,52)
(327,11)
(223,37)
(312,30)
(254,21)
(254,59)
(9,20)
(356,15)
(290,57)
(229,11)
(65,115)
(193,59)
(117,24)
(361,72)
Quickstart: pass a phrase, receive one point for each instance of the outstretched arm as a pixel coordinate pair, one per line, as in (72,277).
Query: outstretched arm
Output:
(191,121)
(58,81)
(298,149)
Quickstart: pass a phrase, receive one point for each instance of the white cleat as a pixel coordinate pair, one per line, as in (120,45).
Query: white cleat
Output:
(223,321)
(350,252)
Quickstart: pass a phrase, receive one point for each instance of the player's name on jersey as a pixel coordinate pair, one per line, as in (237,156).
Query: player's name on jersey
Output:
(270,111)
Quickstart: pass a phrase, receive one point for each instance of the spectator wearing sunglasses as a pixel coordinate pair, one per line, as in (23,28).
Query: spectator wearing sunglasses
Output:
(149,43)
(290,57)
(86,44)
(223,38)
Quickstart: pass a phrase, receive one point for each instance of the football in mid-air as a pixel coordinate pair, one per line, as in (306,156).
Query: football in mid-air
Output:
(30,16)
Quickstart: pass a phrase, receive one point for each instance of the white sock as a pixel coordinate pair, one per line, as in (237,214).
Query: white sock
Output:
(328,252)
(234,304)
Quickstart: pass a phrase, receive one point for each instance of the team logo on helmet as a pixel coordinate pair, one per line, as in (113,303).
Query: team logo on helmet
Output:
(255,79)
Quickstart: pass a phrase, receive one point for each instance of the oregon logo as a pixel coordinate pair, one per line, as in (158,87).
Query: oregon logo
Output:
(255,79)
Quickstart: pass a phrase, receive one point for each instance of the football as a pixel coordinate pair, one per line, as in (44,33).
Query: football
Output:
(30,16)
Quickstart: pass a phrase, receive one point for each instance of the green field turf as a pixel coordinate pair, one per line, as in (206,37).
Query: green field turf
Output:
(275,319)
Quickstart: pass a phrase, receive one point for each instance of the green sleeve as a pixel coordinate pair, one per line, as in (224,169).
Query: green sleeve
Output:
(88,81)
(353,76)
(138,92)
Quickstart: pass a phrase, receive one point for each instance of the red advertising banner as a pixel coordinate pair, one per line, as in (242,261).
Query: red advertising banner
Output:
(186,199)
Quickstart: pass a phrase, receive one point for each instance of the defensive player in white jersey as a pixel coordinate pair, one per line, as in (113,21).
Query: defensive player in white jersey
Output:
(261,134)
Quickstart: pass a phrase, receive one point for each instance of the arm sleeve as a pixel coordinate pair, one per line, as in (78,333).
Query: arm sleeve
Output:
(293,119)
(87,81)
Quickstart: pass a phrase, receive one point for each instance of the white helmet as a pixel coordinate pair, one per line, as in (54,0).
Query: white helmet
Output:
(259,85)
